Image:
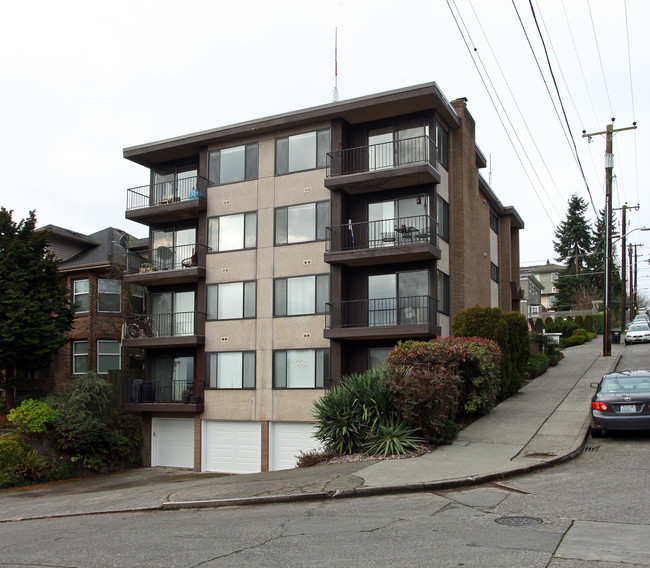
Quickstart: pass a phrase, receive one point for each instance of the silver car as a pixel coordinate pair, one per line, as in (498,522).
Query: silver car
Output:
(622,402)
(637,333)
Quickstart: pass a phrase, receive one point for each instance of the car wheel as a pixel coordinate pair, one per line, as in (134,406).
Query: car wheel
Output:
(596,433)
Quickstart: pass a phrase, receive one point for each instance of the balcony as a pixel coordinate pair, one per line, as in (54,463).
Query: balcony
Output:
(167,265)
(180,329)
(399,318)
(401,239)
(183,198)
(159,395)
(383,166)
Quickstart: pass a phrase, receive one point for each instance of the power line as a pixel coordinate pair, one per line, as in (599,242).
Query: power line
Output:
(497,112)
(600,59)
(548,61)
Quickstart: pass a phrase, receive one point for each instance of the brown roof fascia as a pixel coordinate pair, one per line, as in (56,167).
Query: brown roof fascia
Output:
(362,109)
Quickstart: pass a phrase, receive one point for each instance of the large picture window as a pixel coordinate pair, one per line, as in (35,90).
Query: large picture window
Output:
(80,294)
(231,370)
(301,295)
(79,357)
(109,295)
(232,232)
(232,300)
(300,368)
(302,223)
(235,164)
(302,151)
(108,356)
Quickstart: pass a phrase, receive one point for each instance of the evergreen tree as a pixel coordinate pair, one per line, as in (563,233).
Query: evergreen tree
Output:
(35,310)
(574,247)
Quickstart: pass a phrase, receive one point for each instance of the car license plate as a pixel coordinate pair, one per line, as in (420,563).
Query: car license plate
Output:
(628,408)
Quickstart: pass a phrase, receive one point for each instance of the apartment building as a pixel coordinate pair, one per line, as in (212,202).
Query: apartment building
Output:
(289,251)
(547,274)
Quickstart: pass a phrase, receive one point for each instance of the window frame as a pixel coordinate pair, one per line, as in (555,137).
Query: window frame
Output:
(281,286)
(442,144)
(212,298)
(249,217)
(280,363)
(322,219)
(251,163)
(101,294)
(75,295)
(494,272)
(442,292)
(323,137)
(248,360)
(494,222)
(99,355)
(77,356)
(442,217)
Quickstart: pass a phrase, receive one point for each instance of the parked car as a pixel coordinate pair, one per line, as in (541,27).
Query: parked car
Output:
(638,332)
(621,402)
(642,317)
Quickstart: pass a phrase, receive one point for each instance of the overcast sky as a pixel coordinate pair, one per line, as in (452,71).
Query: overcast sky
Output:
(83,80)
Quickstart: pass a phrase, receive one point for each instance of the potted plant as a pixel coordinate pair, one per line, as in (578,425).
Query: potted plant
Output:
(146,267)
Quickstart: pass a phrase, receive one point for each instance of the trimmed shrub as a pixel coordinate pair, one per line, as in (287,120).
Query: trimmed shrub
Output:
(565,327)
(548,322)
(510,331)
(598,323)
(539,325)
(32,416)
(537,365)
(589,324)
(580,322)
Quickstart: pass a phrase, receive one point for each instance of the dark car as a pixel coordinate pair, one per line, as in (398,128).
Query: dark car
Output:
(621,402)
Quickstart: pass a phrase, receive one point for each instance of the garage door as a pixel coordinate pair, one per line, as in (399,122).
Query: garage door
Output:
(232,447)
(287,440)
(172,442)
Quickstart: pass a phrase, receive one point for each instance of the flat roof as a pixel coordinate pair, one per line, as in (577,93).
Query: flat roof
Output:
(355,111)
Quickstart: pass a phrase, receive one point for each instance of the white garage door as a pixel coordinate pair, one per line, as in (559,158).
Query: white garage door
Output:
(232,447)
(288,439)
(172,442)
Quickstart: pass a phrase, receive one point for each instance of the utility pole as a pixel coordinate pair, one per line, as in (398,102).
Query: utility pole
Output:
(631,283)
(625,207)
(609,166)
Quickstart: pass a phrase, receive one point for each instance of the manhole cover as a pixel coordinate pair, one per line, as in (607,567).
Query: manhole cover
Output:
(518,521)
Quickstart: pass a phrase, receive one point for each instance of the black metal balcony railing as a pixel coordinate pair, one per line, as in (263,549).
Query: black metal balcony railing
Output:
(167,258)
(164,325)
(384,233)
(138,391)
(182,189)
(379,156)
(408,310)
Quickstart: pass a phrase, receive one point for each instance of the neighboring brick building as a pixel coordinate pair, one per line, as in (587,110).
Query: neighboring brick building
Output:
(290,251)
(93,266)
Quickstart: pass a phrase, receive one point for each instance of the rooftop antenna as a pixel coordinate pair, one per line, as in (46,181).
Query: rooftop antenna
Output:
(335,94)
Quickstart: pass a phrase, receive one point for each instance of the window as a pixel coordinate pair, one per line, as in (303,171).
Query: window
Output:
(79,357)
(137,299)
(234,300)
(302,151)
(399,298)
(231,370)
(442,143)
(443,293)
(494,272)
(300,368)
(109,295)
(173,248)
(301,295)
(442,218)
(377,357)
(302,223)
(80,291)
(108,356)
(494,223)
(233,164)
(174,183)
(232,232)
(393,145)
(173,313)
(172,377)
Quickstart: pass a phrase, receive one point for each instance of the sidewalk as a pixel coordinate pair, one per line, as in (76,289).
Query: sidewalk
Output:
(545,423)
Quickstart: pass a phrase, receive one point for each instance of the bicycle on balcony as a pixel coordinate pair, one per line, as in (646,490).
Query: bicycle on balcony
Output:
(141,327)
